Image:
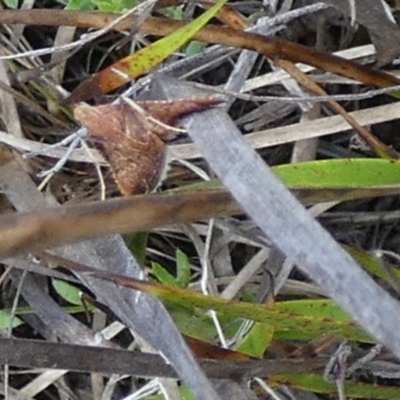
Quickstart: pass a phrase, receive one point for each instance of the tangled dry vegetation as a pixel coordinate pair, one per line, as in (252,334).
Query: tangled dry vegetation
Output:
(208,279)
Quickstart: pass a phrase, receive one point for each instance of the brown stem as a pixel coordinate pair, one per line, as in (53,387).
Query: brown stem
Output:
(271,47)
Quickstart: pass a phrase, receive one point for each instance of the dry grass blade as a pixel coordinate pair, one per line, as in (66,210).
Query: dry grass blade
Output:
(39,354)
(267,201)
(379,148)
(305,130)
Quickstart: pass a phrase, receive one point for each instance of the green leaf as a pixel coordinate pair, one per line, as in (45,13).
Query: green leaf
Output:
(152,55)
(114,6)
(138,246)
(315,383)
(193,322)
(68,292)
(182,269)
(257,340)
(374,265)
(322,308)
(184,391)
(195,47)
(173,12)
(129,4)
(163,275)
(299,320)
(80,5)
(319,310)
(329,174)
(347,173)
(11,3)
(6,319)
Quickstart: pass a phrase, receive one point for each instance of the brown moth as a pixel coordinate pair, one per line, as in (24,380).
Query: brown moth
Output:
(132,137)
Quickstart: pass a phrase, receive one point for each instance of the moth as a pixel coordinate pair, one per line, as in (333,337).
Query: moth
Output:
(132,137)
